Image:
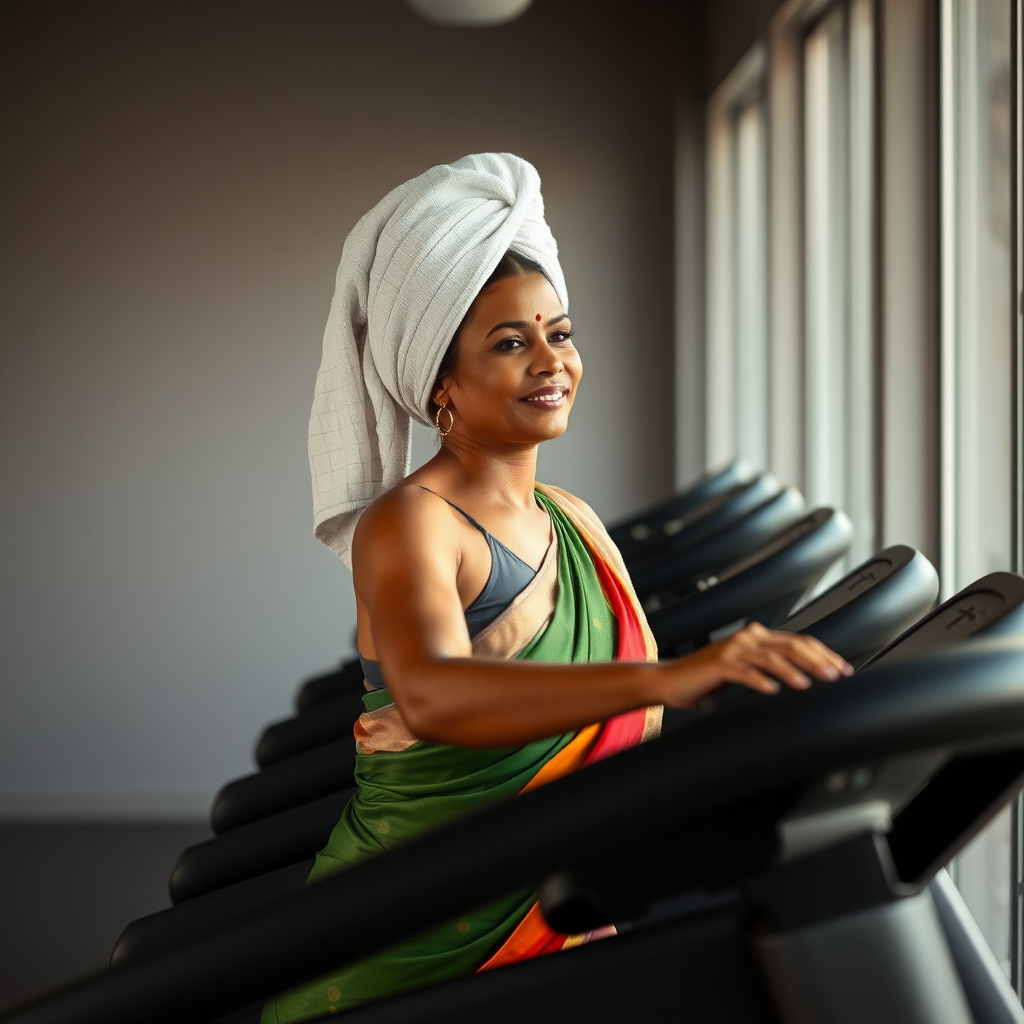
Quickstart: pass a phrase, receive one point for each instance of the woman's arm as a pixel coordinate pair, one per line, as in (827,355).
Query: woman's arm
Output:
(406,565)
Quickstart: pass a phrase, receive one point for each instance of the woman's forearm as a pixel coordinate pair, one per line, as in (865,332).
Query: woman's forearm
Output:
(473,702)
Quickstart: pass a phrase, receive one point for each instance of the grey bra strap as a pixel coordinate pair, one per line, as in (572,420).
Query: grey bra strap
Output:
(457,509)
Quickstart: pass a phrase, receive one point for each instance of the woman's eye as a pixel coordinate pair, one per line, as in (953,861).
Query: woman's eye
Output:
(508,344)
(560,337)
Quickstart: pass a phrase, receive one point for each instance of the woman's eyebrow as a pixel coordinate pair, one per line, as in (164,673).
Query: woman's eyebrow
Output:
(523,324)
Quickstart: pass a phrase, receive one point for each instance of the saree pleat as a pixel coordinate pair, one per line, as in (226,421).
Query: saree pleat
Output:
(580,608)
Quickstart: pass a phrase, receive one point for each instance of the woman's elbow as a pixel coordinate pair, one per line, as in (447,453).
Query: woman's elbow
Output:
(429,723)
(425,716)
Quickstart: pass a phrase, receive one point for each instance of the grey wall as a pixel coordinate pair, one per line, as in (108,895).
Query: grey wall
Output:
(731,27)
(177,184)
(68,889)
(690,283)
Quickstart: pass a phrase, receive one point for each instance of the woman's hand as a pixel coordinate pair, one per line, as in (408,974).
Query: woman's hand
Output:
(751,656)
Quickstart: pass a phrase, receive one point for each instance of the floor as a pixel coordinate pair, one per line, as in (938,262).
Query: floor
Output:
(67,890)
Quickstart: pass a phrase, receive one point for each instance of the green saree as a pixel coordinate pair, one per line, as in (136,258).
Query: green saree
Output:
(405,786)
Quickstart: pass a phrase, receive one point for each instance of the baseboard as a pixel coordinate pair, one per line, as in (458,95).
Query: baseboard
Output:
(100,805)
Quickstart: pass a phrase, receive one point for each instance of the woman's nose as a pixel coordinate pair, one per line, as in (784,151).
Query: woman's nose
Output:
(547,361)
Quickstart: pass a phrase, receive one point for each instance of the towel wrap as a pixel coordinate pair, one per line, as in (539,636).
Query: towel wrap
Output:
(409,272)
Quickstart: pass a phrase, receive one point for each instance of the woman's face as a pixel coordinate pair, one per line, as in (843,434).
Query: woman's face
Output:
(517,370)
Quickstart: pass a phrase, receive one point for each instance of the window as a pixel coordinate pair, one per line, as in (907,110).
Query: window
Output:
(737,356)
(793,367)
(839,255)
(751,373)
(837,360)
(978,295)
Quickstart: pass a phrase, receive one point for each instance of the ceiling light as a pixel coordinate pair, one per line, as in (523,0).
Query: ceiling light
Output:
(470,12)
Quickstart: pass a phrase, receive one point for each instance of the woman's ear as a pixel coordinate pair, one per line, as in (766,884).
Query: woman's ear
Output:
(439,397)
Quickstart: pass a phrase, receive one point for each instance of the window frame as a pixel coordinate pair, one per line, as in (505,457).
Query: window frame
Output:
(743,88)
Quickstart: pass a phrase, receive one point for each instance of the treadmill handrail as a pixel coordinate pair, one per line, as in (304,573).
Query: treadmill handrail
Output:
(704,521)
(970,695)
(812,545)
(1008,622)
(898,599)
(671,565)
(704,488)
(897,557)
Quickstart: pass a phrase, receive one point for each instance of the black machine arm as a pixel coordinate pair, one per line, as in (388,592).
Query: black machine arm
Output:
(764,586)
(711,485)
(969,698)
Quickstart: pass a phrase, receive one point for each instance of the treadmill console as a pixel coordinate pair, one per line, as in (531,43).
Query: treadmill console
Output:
(805,526)
(851,586)
(995,602)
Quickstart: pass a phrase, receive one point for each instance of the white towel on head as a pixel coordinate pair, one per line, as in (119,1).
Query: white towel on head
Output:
(409,272)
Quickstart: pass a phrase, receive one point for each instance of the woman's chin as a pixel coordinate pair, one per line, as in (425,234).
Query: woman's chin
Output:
(544,423)
(549,431)
(536,430)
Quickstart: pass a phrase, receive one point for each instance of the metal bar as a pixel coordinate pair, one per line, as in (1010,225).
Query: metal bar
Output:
(1017,449)
(947,299)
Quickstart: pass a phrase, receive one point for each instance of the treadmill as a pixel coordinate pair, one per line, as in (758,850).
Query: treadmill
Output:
(788,569)
(902,584)
(704,519)
(707,487)
(774,862)
(669,569)
(764,586)
(876,600)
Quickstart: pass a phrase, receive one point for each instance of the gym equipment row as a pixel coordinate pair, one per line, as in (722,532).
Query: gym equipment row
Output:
(297,802)
(777,577)
(871,608)
(725,572)
(774,861)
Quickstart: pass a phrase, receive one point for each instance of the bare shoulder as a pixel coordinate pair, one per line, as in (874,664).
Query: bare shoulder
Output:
(401,517)
(406,524)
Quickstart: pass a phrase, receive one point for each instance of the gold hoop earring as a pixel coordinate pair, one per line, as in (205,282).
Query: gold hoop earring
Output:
(444,431)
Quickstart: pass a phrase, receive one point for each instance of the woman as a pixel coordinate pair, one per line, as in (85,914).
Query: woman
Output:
(496,621)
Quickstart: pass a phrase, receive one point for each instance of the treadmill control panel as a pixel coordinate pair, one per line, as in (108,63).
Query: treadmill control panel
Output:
(956,621)
(805,526)
(836,596)
(859,798)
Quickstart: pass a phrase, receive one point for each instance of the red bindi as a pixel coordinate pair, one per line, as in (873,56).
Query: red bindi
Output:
(538,318)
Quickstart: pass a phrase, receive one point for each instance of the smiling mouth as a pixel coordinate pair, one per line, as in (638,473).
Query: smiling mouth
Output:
(552,395)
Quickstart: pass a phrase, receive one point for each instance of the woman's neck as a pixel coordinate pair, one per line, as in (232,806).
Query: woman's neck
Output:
(507,477)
